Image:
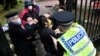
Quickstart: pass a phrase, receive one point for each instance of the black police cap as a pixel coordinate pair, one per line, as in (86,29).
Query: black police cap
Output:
(63,17)
(11,14)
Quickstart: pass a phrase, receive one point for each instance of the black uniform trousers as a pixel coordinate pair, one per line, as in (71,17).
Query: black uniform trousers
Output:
(61,2)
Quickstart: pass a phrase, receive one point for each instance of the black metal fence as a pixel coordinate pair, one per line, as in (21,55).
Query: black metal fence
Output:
(87,13)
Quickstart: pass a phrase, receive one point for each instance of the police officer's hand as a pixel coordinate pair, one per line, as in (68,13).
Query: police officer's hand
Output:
(57,31)
(29,38)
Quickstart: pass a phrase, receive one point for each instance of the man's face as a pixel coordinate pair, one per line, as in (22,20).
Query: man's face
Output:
(63,28)
(15,19)
(30,20)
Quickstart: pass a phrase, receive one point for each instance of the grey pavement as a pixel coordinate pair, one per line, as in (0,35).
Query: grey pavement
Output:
(43,4)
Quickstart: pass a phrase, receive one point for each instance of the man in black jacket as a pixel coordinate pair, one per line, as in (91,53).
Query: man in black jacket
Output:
(19,35)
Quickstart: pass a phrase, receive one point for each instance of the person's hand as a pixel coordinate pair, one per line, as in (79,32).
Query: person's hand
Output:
(57,31)
(47,15)
(30,22)
(33,21)
(29,38)
(5,28)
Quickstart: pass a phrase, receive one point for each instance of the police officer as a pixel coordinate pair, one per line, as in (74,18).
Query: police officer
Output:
(72,37)
(19,35)
(4,46)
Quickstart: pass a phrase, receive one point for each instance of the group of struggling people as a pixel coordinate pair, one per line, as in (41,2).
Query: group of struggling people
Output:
(72,39)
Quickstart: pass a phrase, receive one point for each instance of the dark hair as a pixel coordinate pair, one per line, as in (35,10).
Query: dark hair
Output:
(27,15)
(41,21)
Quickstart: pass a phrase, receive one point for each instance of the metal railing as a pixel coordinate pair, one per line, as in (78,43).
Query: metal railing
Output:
(87,13)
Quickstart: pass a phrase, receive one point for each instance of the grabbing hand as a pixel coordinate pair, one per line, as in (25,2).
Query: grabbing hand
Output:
(29,38)
(31,21)
(47,15)
(35,21)
(57,31)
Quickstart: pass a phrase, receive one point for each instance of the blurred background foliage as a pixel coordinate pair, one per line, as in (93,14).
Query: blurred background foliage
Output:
(7,6)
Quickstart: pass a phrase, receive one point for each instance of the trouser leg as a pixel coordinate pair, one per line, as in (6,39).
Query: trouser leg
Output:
(61,2)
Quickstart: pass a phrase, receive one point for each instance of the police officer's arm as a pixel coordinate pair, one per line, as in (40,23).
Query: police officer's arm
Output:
(16,29)
(50,32)
(53,33)
(30,28)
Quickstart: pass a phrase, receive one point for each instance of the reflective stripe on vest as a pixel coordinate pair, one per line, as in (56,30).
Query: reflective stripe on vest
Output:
(76,42)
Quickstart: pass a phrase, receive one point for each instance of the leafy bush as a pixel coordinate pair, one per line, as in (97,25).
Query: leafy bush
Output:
(8,4)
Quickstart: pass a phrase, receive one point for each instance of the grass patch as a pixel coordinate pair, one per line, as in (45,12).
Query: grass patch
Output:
(1,7)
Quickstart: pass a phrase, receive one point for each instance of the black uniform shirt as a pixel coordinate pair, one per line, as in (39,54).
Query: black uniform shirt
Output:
(45,35)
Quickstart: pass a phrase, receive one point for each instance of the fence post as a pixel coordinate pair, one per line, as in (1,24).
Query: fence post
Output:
(69,5)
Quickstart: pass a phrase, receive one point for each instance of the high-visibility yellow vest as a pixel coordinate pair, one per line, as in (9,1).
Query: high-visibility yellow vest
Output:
(76,42)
